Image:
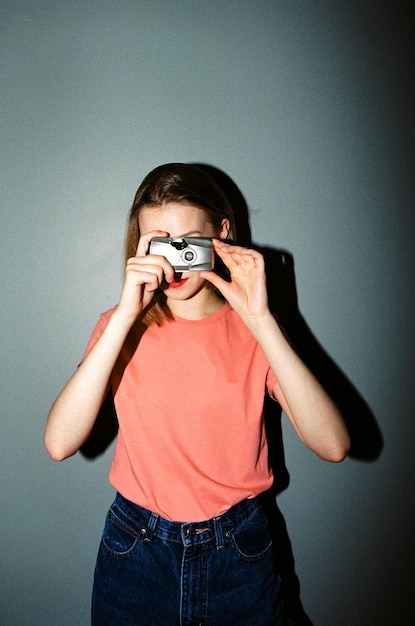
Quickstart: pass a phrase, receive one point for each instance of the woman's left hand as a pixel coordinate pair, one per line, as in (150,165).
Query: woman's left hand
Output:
(246,292)
(311,411)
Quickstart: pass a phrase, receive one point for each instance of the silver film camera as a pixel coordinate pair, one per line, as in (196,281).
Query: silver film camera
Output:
(186,254)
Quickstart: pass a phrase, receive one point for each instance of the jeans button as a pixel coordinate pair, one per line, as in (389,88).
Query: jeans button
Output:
(191,532)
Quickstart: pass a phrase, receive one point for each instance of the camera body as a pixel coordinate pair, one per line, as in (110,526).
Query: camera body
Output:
(186,254)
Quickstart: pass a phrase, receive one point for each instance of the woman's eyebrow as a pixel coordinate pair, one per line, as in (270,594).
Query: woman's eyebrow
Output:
(192,232)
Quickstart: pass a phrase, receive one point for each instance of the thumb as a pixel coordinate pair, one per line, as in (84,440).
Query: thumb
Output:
(216,281)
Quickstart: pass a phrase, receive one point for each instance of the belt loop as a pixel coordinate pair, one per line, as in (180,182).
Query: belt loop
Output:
(217,524)
(147,533)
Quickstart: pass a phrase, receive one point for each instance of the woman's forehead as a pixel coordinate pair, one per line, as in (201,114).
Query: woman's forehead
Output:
(172,217)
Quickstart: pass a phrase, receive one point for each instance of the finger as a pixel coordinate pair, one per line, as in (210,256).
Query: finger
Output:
(233,256)
(226,246)
(144,241)
(152,263)
(139,272)
(237,251)
(234,259)
(225,252)
(216,281)
(152,286)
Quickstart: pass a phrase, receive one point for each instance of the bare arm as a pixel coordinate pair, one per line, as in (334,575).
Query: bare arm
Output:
(74,412)
(311,411)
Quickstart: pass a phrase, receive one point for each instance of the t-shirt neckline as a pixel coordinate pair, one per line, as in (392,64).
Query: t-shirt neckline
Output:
(204,320)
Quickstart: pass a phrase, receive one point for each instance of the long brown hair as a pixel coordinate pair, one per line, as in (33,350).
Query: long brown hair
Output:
(180,183)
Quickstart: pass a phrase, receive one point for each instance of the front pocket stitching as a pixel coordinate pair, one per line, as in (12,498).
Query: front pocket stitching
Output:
(125,528)
(249,557)
(122,524)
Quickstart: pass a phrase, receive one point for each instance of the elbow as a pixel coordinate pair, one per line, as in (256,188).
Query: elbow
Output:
(337,456)
(56,455)
(56,450)
(337,452)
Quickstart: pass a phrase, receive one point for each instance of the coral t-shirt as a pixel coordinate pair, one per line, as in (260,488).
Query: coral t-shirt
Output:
(189,398)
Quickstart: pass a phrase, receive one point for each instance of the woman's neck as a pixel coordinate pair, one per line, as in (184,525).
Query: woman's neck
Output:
(204,304)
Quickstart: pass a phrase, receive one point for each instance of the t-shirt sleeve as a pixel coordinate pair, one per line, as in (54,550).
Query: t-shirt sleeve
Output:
(97,332)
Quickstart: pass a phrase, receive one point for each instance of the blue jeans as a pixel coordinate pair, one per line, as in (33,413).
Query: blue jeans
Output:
(153,572)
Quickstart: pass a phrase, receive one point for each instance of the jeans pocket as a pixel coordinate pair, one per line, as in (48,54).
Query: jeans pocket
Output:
(119,540)
(251,540)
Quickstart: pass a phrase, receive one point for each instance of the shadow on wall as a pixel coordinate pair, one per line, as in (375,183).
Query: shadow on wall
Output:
(367,441)
(366,437)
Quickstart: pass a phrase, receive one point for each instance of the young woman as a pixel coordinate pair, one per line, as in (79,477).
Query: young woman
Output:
(188,357)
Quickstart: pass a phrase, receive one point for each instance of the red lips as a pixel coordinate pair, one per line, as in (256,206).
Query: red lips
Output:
(178,283)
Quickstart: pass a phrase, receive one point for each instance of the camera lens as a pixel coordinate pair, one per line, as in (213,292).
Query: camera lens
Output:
(189,256)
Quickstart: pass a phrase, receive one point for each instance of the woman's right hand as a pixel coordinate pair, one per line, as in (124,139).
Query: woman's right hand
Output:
(74,412)
(144,274)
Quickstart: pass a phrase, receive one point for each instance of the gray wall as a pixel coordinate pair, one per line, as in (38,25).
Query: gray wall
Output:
(306,106)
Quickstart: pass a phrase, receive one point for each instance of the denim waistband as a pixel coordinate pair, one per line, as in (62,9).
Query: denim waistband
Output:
(148,525)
